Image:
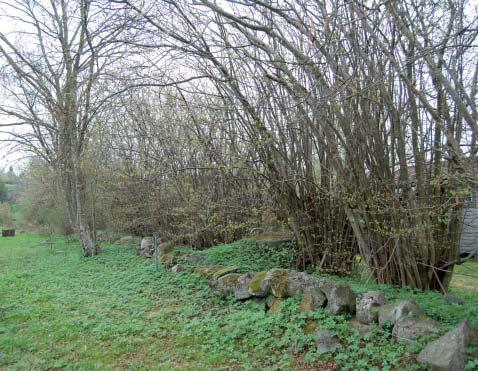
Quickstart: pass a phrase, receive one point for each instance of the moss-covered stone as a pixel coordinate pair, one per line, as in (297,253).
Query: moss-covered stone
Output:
(167,260)
(230,279)
(201,271)
(311,300)
(225,285)
(259,285)
(278,282)
(241,291)
(223,271)
(282,283)
(207,271)
(214,271)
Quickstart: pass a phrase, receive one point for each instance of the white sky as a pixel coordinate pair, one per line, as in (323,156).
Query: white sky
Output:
(8,157)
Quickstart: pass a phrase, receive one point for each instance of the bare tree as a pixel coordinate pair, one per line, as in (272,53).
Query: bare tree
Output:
(358,120)
(363,96)
(52,64)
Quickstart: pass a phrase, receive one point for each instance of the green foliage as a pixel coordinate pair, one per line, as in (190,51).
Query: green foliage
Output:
(42,203)
(112,311)
(50,220)
(6,215)
(3,192)
(250,255)
(472,364)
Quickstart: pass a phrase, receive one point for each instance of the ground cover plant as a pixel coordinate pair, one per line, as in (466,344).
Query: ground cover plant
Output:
(59,310)
(338,138)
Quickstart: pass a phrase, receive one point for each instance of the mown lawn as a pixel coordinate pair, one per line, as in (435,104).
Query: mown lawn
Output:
(59,310)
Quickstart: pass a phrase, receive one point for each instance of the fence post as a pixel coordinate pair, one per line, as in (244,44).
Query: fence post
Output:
(155,246)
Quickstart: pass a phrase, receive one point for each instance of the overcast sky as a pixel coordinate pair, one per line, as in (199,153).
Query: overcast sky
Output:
(8,157)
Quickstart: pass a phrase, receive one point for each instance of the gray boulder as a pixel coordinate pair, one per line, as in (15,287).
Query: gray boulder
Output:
(277,280)
(177,268)
(241,291)
(269,302)
(285,283)
(299,282)
(260,285)
(448,353)
(225,285)
(327,342)
(408,328)
(146,247)
(311,300)
(395,310)
(367,306)
(340,297)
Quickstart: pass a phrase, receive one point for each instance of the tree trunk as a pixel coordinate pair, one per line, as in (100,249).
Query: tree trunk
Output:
(84,231)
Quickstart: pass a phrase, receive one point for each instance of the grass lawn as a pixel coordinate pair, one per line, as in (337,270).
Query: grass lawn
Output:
(466,277)
(59,310)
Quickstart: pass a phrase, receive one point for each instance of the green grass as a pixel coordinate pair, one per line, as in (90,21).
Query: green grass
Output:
(466,277)
(59,310)
(249,256)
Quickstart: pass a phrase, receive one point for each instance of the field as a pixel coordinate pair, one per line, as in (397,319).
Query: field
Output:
(59,310)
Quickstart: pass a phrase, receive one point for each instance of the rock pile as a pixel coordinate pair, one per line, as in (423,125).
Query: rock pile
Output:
(146,247)
(367,305)
(404,317)
(281,283)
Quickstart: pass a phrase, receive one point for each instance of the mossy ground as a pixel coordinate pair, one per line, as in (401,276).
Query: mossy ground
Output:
(59,310)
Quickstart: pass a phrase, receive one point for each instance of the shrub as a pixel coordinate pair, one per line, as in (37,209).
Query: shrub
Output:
(6,216)
(3,192)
